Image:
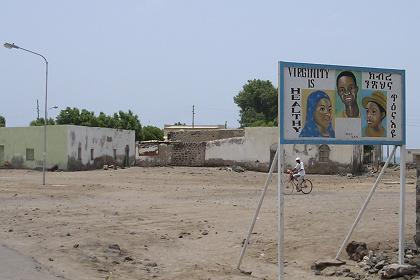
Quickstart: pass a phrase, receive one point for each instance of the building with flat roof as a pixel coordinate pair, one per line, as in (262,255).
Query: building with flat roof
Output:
(69,147)
(168,128)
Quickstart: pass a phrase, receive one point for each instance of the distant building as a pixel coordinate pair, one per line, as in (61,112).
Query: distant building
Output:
(252,148)
(69,147)
(257,148)
(168,128)
(410,158)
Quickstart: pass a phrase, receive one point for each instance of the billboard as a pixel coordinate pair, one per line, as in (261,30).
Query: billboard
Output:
(341,104)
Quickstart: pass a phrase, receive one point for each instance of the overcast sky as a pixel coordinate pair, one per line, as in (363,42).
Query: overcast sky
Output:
(158,58)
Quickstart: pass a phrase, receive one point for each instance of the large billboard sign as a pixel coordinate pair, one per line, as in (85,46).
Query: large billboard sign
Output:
(341,104)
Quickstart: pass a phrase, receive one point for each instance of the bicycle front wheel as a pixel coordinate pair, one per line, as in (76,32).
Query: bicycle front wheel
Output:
(306,186)
(288,187)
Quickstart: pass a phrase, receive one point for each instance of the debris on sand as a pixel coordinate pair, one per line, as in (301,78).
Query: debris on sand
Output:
(321,264)
(110,166)
(114,249)
(397,270)
(356,250)
(238,168)
(235,168)
(53,168)
(378,265)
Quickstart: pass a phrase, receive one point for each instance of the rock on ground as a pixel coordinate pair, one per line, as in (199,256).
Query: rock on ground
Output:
(397,270)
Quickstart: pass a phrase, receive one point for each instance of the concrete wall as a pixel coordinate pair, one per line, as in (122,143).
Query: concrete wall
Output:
(410,157)
(254,146)
(103,141)
(342,158)
(188,154)
(153,154)
(256,149)
(168,128)
(15,140)
(188,136)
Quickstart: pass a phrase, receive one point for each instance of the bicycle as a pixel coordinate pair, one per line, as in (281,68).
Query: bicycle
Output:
(292,184)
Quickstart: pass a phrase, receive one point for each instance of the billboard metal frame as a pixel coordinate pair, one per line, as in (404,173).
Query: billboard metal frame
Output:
(283,65)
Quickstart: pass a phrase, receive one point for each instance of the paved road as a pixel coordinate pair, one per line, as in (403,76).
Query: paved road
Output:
(15,266)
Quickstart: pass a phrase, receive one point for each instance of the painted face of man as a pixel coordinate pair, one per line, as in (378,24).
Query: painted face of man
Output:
(374,115)
(347,90)
(322,114)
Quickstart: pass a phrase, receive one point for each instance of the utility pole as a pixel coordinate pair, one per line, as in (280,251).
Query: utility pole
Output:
(193,113)
(37,109)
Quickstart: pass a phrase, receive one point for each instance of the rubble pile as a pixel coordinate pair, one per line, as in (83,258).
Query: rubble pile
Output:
(371,265)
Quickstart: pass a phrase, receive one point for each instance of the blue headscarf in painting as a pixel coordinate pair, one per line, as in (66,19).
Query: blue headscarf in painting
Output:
(311,129)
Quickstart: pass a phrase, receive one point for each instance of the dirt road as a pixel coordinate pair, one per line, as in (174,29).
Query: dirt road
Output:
(187,223)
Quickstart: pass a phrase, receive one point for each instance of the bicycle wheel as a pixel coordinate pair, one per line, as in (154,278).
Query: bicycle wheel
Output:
(306,186)
(288,187)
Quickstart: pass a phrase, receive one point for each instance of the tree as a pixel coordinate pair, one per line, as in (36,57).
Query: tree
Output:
(152,133)
(2,121)
(87,118)
(258,104)
(129,121)
(121,120)
(40,122)
(69,116)
(104,120)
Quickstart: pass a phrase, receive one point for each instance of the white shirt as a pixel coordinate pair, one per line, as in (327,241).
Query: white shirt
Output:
(301,170)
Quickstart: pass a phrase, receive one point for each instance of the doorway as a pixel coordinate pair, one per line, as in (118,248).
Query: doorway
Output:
(127,156)
(1,155)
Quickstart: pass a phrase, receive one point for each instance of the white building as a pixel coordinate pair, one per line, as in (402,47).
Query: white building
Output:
(410,155)
(69,147)
(259,144)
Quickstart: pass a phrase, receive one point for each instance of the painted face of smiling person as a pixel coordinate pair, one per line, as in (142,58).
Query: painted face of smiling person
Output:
(347,90)
(318,120)
(322,116)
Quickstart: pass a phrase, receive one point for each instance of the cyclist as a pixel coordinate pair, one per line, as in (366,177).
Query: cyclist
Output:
(299,173)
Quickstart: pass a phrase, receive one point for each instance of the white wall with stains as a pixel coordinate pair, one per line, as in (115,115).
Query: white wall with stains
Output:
(258,144)
(102,141)
(254,146)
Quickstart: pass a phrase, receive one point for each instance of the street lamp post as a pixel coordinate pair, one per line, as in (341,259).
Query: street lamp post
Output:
(13,46)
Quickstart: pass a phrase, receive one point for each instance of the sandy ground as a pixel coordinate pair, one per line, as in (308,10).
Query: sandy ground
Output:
(188,223)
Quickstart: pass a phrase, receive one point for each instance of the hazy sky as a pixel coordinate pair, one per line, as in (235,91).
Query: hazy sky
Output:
(158,58)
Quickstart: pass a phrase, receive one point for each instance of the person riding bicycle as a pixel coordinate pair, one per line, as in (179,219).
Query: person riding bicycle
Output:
(299,173)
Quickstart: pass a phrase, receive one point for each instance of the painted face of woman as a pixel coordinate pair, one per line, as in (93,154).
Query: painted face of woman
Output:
(374,115)
(322,114)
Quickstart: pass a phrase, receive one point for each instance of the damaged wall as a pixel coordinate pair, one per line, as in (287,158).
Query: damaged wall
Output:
(188,154)
(325,159)
(411,155)
(204,135)
(92,147)
(153,154)
(171,153)
(251,151)
(256,149)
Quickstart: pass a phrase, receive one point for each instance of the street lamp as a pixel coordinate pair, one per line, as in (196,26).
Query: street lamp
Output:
(13,46)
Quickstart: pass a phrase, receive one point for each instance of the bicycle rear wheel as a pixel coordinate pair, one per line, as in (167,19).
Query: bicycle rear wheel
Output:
(306,186)
(288,187)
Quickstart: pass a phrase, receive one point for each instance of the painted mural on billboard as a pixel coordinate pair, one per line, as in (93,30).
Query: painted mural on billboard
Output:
(341,104)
